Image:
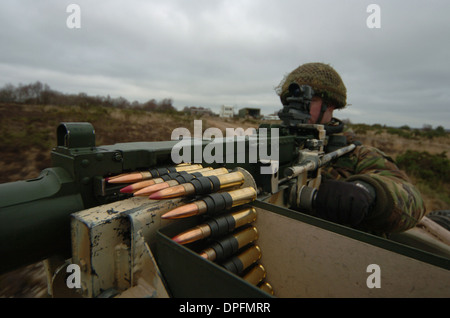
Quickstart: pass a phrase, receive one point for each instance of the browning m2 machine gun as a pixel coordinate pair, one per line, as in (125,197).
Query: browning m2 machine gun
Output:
(209,229)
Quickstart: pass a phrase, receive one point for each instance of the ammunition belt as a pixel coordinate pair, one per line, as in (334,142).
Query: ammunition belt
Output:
(226,232)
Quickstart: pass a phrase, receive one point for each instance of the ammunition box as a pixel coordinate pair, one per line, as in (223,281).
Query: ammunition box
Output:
(187,274)
(290,243)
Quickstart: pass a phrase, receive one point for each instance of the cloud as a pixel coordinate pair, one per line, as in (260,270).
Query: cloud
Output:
(210,53)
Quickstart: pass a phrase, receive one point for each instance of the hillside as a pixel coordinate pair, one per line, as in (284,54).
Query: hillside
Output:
(28,133)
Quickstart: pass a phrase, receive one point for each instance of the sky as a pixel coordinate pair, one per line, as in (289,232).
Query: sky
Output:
(393,58)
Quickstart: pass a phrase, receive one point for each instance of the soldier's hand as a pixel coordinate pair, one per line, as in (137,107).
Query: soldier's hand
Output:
(344,202)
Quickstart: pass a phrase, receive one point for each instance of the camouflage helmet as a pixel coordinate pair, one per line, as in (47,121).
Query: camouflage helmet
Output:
(325,81)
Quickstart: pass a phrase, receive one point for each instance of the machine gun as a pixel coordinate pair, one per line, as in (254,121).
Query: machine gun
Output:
(71,214)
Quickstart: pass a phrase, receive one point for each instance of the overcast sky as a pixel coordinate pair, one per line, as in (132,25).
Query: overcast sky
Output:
(235,52)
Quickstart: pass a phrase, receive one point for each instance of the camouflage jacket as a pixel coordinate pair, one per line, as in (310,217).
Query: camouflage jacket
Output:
(399,205)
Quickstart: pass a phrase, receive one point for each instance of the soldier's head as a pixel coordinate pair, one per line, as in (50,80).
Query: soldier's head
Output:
(329,89)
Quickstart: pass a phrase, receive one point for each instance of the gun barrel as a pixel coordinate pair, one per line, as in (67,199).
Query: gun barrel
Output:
(314,163)
(35,218)
(335,154)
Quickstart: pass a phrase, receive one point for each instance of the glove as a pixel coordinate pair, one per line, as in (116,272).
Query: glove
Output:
(344,202)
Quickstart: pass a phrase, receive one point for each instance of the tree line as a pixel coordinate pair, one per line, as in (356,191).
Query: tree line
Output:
(41,94)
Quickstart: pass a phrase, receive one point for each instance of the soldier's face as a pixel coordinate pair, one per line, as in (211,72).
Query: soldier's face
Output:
(314,111)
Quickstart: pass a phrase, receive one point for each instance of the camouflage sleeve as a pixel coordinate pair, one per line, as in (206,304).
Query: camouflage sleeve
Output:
(399,205)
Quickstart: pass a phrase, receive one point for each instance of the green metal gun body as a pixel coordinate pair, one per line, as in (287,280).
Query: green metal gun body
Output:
(35,214)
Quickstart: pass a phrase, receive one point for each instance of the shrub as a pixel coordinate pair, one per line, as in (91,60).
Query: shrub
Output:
(432,169)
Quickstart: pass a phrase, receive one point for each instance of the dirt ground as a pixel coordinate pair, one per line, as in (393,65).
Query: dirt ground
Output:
(26,282)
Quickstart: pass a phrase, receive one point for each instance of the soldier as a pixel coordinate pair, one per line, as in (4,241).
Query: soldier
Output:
(363,189)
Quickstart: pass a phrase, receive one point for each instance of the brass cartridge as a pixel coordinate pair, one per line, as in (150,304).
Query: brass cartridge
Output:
(255,275)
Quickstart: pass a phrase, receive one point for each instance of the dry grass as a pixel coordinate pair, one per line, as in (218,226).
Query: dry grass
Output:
(394,145)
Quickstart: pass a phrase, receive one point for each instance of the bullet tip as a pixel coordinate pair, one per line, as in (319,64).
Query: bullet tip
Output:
(126,178)
(168,193)
(151,189)
(190,236)
(181,212)
(156,196)
(127,189)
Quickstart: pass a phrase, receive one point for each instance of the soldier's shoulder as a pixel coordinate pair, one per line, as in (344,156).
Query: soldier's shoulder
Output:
(371,151)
